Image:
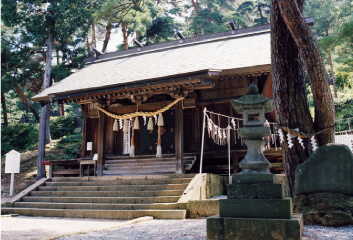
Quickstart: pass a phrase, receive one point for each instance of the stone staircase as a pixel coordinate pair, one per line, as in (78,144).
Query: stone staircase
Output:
(146,164)
(113,197)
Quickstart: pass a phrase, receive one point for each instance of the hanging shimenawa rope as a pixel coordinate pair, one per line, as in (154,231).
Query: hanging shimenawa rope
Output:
(140,114)
(303,135)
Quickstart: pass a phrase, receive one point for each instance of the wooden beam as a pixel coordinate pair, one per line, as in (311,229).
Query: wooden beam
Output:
(101,143)
(118,109)
(179,134)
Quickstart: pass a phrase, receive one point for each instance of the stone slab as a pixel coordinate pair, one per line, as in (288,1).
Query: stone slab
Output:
(203,208)
(253,178)
(241,191)
(219,228)
(253,191)
(269,191)
(328,169)
(215,228)
(256,208)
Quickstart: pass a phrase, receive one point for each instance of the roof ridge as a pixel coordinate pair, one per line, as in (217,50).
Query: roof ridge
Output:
(243,32)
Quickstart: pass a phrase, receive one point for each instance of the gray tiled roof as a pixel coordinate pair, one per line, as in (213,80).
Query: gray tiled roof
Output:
(228,52)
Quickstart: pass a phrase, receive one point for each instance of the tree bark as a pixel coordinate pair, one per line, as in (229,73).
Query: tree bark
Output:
(3,104)
(45,110)
(310,55)
(126,46)
(332,74)
(47,125)
(24,99)
(107,37)
(289,89)
(61,109)
(94,42)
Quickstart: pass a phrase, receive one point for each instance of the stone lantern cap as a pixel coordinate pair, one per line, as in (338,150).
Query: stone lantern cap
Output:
(252,100)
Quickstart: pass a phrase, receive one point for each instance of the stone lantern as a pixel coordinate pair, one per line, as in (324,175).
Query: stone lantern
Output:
(253,106)
(255,208)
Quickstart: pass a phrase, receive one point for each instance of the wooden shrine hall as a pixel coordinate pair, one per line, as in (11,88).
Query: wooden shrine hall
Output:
(169,84)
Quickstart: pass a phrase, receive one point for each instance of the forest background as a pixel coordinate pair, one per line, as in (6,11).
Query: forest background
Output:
(83,25)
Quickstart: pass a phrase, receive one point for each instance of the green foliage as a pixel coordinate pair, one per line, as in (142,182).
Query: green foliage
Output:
(72,151)
(62,126)
(77,138)
(161,30)
(18,136)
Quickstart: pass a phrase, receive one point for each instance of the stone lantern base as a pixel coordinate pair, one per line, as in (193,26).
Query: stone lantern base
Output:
(255,209)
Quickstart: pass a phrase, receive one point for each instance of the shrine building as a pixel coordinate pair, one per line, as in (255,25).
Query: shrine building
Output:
(177,79)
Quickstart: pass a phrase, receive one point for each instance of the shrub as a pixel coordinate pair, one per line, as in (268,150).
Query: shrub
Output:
(77,138)
(62,126)
(18,136)
(72,151)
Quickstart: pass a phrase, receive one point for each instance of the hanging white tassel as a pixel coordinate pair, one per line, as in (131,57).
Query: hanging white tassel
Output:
(281,136)
(313,143)
(115,125)
(136,124)
(290,141)
(233,123)
(150,124)
(159,151)
(121,123)
(300,140)
(160,120)
(126,126)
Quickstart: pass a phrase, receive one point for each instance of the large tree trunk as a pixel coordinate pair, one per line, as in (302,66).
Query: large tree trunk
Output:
(3,104)
(24,99)
(107,37)
(291,106)
(332,74)
(126,46)
(61,110)
(45,110)
(310,55)
(94,42)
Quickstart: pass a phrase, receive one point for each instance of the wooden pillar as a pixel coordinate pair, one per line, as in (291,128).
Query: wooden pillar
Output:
(84,132)
(101,143)
(198,128)
(179,137)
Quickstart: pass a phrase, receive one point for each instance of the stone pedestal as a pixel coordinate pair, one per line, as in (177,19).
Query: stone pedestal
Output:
(255,209)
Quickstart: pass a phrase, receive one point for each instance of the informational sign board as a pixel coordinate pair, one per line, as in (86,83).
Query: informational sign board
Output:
(89,146)
(12,163)
(95,157)
(126,142)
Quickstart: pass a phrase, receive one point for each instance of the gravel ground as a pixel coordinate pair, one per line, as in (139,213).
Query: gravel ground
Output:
(28,228)
(195,229)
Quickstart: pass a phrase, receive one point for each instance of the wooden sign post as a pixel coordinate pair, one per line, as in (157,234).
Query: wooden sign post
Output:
(12,165)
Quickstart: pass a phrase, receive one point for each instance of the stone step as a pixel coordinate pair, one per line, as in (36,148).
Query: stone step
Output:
(133,167)
(136,166)
(139,171)
(106,193)
(97,214)
(138,156)
(129,200)
(119,178)
(95,206)
(140,165)
(120,183)
(146,161)
(155,187)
